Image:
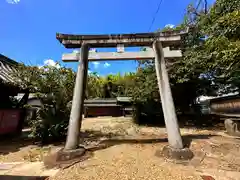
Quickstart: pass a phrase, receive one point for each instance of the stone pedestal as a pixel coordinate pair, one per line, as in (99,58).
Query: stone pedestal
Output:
(175,154)
(232,127)
(64,158)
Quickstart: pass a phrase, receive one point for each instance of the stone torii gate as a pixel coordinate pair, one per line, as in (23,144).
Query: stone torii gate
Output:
(161,44)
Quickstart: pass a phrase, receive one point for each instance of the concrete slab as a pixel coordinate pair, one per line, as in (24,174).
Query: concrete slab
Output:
(32,169)
(10,177)
(25,170)
(6,167)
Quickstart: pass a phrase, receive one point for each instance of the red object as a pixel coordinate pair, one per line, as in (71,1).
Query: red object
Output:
(207,178)
(9,120)
(103,111)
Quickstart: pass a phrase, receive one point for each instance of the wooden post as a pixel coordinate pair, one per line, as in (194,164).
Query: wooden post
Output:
(170,117)
(78,101)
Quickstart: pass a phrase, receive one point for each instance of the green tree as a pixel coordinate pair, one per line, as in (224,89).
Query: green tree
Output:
(54,87)
(94,86)
(222,28)
(210,56)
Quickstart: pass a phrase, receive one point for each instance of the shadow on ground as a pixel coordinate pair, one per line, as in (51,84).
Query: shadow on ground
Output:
(8,145)
(11,177)
(11,143)
(93,140)
(206,122)
(96,140)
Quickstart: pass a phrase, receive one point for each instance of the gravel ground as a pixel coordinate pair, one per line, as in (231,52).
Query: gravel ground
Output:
(126,162)
(123,159)
(128,152)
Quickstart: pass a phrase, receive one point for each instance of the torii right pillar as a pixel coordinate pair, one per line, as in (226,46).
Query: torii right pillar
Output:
(175,149)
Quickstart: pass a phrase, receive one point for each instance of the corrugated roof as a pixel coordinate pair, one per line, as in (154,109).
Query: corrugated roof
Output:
(123,99)
(6,68)
(101,101)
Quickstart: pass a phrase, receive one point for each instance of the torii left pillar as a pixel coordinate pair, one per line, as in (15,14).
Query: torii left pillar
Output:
(78,101)
(72,150)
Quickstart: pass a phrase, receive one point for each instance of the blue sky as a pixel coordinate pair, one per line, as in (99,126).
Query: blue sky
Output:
(28,27)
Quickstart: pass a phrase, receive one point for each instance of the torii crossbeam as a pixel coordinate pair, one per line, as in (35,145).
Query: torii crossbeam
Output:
(161,47)
(114,56)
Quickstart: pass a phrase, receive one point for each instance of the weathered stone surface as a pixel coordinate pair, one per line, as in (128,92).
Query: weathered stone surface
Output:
(64,158)
(232,127)
(198,158)
(176,154)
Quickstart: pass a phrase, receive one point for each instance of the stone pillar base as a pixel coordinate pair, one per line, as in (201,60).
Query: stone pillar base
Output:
(232,127)
(175,154)
(64,158)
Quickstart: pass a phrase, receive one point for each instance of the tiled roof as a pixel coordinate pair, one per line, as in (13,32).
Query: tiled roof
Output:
(6,68)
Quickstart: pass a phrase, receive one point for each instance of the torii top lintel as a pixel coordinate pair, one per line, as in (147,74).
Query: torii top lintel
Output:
(169,38)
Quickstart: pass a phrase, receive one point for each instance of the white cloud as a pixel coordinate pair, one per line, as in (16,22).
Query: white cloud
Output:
(169,25)
(96,65)
(89,71)
(13,1)
(50,62)
(75,51)
(106,65)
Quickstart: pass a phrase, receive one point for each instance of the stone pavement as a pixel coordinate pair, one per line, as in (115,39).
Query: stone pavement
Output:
(25,171)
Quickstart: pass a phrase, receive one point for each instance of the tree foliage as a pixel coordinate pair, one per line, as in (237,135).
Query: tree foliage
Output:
(222,27)
(210,63)
(54,88)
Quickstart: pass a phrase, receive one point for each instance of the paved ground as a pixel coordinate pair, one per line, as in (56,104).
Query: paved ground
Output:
(20,170)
